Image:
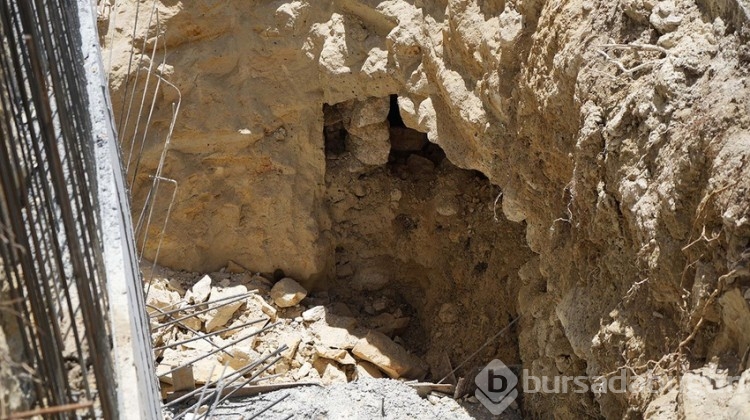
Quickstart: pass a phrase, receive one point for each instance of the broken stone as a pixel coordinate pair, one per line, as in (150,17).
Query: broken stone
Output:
(292,342)
(339,355)
(200,345)
(264,306)
(160,297)
(161,373)
(200,291)
(329,372)
(370,144)
(238,328)
(664,18)
(739,403)
(313,314)
(183,379)
(663,407)
(313,374)
(335,337)
(303,371)
(204,370)
(281,367)
(367,370)
(222,312)
(391,358)
(705,392)
(370,111)
(287,293)
(241,356)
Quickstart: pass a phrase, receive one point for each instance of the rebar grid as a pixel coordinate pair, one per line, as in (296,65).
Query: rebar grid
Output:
(139,97)
(50,247)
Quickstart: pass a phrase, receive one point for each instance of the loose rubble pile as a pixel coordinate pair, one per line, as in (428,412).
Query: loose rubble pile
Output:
(325,342)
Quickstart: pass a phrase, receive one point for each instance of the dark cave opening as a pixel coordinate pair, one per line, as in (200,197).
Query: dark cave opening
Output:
(415,239)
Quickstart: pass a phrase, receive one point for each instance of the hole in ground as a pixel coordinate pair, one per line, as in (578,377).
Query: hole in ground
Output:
(417,247)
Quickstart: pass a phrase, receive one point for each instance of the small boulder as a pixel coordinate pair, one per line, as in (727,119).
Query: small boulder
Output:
(241,356)
(391,358)
(335,337)
(287,293)
(264,306)
(370,144)
(222,312)
(337,355)
(313,314)
(329,372)
(303,371)
(210,369)
(200,291)
(367,370)
(370,111)
(161,298)
(292,342)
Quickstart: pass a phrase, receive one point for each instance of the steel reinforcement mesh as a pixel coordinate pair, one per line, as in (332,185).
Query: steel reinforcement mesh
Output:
(53,305)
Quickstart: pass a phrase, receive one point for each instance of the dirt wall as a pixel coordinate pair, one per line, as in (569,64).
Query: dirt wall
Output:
(616,131)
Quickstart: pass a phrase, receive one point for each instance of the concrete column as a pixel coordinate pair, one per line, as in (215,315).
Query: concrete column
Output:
(137,390)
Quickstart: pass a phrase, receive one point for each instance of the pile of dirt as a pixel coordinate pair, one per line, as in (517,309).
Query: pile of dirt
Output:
(363,399)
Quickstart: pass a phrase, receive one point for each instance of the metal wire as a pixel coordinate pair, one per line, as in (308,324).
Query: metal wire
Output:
(50,247)
(144,147)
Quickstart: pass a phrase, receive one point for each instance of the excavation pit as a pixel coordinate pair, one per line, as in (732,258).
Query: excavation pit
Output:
(419,232)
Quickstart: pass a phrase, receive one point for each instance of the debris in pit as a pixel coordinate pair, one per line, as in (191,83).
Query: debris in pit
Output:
(287,292)
(322,343)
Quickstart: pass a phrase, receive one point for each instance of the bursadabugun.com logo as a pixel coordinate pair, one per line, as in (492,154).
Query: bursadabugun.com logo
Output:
(617,384)
(497,385)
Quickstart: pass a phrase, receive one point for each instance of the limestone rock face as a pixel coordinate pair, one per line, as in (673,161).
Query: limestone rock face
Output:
(616,134)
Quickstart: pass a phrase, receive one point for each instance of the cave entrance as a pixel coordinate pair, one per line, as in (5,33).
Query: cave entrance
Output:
(418,253)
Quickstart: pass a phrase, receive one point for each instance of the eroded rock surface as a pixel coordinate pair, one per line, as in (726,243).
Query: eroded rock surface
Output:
(616,131)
